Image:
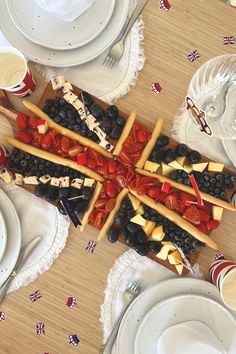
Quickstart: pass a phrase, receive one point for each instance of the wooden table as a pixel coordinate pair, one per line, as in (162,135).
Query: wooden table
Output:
(169,37)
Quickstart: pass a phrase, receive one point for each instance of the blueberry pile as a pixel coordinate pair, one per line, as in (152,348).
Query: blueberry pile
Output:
(133,234)
(173,232)
(216,185)
(67,116)
(160,154)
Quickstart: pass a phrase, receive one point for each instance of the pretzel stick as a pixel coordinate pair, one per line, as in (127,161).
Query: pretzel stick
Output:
(64,131)
(106,227)
(92,202)
(176,219)
(125,133)
(54,158)
(184,188)
(7,113)
(150,145)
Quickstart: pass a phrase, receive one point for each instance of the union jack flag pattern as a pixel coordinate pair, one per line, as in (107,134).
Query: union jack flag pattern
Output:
(35,296)
(91,246)
(156,88)
(74,340)
(218,256)
(2,316)
(40,331)
(193,56)
(71,302)
(229,40)
(165,5)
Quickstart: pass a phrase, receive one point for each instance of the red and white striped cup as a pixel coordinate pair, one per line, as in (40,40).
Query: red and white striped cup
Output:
(223,276)
(15,76)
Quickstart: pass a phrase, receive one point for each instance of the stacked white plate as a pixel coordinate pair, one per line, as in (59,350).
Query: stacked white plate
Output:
(10,237)
(50,41)
(169,303)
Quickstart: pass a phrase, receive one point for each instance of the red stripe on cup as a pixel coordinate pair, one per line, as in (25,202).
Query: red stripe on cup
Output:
(218,268)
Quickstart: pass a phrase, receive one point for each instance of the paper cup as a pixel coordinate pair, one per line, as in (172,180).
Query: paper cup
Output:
(15,75)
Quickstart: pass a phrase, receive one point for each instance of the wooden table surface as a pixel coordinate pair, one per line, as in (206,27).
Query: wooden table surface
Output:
(169,37)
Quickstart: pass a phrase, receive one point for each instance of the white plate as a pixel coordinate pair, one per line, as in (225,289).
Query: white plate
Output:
(181,309)
(48,31)
(230,148)
(3,236)
(13,237)
(149,298)
(66,58)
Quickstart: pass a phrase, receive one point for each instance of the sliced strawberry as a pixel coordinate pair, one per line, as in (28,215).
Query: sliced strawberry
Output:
(75,150)
(203,228)
(37,138)
(81,159)
(110,205)
(112,166)
(65,144)
(143,136)
(124,159)
(24,137)
(171,201)
(100,203)
(22,121)
(192,215)
(111,189)
(121,181)
(33,122)
(47,142)
(3,156)
(100,219)
(154,192)
(92,163)
(204,216)
(186,198)
(212,224)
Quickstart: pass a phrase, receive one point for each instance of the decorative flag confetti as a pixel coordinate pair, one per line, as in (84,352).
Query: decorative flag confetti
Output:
(35,296)
(165,5)
(2,316)
(218,256)
(193,56)
(229,40)
(74,340)
(156,88)
(71,302)
(40,329)
(91,246)
(45,353)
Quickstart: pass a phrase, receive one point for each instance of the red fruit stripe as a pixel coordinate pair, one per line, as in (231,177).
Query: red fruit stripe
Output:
(195,187)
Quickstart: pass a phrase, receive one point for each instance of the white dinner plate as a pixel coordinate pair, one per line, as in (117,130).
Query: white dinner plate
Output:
(149,298)
(230,148)
(48,31)
(183,308)
(3,235)
(61,58)
(13,237)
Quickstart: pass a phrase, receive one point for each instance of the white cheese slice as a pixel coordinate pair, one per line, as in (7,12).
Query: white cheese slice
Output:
(188,169)
(67,87)
(181,160)
(138,219)
(89,182)
(70,97)
(77,183)
(174,164)
(217,212)
(64,182)
(31,180)
(6,175)
(179,268)
(45,179)
(151,166)
(57,82)
(19,179)
(215,167)
(55,182)
(134,201)
(200,167)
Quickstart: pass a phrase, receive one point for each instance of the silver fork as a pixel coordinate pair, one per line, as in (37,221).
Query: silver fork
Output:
(129,295)
(117,50)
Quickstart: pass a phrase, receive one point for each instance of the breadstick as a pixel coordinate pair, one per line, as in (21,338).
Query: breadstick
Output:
(176,219)
(54,158)
(150,145)
(125,133)
(184,188)
(64,131)
(92,202)
(7,113)
(106,227)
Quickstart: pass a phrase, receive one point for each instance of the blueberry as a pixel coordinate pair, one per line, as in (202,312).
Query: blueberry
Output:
(154,246)
(77,128)
(131,240)
(212,180)
(126,204)
(194,156)
(233,179)
(23,163)
(62,114)
(181,150)
(106,126)
(87,193)
(116,132)
(192,250)
(163,140)
(112,112)
(40,190)
(132,227)
(156,155)
(97,111)
(141,236)
(63,192)
(86,98)
(120,220)
(113,235)
(81,206)
(120,121)
(49,102)
(70,115)
(142,249)
(52,194)
(169,156)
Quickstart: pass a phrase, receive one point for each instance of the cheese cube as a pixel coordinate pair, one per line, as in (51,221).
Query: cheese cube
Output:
(157,234)
(215,167)
(70,97)
(6,175)
(217,212)
(31,180)
(200,167)
(134,201)
(181,160)
(166,169)
(175,258)
(77,183)
(45,179)
(166,248)
(179,268)
(187,168)
(140,210)
(64,182)
(55,182)
(67,87)
(42,126)
(174,164)
(19,179)
(138,219)
(89,182)
(57,82)
(151,166)
(148,229)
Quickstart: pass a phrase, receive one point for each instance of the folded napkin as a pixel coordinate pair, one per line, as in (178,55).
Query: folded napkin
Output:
(192,337)
(65,10)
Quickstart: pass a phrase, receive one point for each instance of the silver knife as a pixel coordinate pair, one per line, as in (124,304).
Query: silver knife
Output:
(24,253)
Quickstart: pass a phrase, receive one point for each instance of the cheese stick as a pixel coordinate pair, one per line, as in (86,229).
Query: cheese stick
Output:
(92,202)
(176,219)
(7,113)
(151,143)
(187,189)
(106,227)
(64,131)
(125,133)
(54,158)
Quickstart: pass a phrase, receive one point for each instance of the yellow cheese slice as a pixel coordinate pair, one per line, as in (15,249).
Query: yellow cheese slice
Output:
(200,167)
(175,258)
(188,169)
(148,229)
(134,201)
(217,212)
(157,234)
(174,164)
(215,167)
(163,254)
(179,268)
(151,166)
(166,169)
(138,219)
(140,210)
(181,160)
